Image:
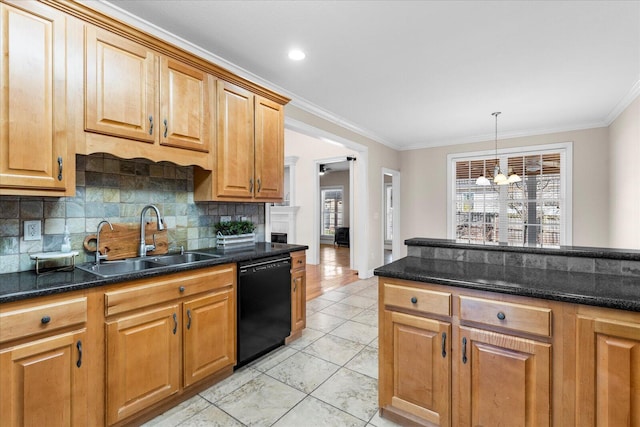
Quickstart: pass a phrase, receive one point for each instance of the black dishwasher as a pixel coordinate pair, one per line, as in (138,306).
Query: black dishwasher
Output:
(264,306)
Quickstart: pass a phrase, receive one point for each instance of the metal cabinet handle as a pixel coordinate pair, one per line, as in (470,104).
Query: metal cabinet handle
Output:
(259,185)
(45,320)
(175,323)
(414,300)
(295,284)
(501,316)
(79,347)
(181,288)
(444,344)
(59,168)
(150,125)
(189,317)
(166,128)
(250,185)
(464,350)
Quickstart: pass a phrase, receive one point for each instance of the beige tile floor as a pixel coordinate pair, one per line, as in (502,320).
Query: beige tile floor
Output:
(328,377)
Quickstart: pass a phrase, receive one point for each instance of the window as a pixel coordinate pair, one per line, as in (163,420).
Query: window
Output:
(535,211)
(331,202)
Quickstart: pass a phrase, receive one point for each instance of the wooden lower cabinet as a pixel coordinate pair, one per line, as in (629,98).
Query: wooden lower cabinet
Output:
(416,365)
(298,295)
(608,370)
(209,341)
(165,335)
(44,382)
(143,355)
(503,380)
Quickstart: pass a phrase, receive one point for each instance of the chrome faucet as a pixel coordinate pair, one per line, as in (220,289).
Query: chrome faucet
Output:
(142,251)
(98,255)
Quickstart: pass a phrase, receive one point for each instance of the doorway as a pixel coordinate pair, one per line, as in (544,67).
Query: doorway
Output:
(391,243)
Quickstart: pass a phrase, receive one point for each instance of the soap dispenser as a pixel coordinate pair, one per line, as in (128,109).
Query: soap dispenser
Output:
(66,240)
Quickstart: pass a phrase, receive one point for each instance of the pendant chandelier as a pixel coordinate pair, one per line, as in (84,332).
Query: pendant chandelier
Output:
(499,178)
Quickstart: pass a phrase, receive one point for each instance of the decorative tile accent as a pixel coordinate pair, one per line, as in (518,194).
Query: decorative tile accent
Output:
(117,189)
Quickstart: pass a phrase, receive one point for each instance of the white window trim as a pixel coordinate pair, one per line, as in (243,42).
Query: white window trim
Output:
(566,184)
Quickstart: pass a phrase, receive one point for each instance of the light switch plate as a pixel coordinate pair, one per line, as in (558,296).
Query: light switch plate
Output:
(32,230)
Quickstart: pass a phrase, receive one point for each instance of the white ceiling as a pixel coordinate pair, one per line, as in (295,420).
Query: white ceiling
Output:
(416,74)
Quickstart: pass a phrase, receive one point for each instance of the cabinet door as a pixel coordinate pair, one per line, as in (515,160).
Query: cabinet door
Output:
(33,146)
(298,300)
(120,86)
(143,354)
(209,335)
(415,367)
(503,380)
(44,383)
(235,145)
(608,374)
(269,150)
(187,96)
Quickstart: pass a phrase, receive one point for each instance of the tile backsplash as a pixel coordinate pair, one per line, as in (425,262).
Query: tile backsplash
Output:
(115,189)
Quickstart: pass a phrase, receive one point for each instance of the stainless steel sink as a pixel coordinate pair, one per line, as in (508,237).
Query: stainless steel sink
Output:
(117,268)
(185,258)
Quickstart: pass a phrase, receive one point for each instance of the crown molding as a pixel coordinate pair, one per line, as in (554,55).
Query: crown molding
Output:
(624,103)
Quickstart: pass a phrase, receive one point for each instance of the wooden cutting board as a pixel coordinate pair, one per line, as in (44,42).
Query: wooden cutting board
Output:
(124,240)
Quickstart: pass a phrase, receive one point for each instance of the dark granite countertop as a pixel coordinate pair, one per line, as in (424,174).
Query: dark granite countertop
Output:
(603,290)
(574,251)
(24,285)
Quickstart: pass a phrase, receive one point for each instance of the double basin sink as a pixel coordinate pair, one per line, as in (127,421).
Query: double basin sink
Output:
(132,265)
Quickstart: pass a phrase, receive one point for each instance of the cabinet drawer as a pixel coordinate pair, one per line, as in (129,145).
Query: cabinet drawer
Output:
(524,318)
(142,293)
(41,318)
(417,299)
(298,260)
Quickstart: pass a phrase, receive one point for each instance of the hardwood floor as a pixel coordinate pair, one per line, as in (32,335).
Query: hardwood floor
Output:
(332,272)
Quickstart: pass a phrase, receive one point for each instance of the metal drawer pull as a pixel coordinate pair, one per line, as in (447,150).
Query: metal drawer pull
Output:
(189,317)
(414,300)
(175,323)
(464,350)
(59,168)
(501,316)
(79,347)
(250,185)
(181,288)
(166,128)
(444,344)
(150,125)
(45,319)
(259,185)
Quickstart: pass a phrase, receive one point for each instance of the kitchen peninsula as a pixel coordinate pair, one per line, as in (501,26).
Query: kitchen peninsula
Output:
(505,335)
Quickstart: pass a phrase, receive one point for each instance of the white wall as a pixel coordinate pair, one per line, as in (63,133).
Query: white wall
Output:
(624,182)
(424,185)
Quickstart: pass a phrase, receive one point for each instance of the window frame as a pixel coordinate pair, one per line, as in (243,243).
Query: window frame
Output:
(566,184)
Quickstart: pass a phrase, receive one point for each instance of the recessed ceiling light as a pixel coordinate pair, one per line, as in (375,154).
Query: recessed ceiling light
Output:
(296,55)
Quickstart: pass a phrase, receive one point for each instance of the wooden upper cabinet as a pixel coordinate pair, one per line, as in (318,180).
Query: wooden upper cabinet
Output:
(269,149)
(249,154)
(34,154)
(120,87)
(187,106)
(235,142)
